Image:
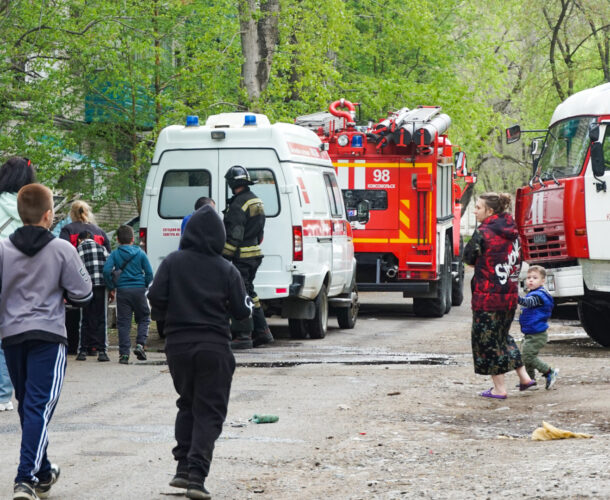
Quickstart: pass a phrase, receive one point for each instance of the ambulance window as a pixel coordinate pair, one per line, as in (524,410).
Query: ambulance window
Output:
(377,198)
(180,190)
(333,193)
(266,189)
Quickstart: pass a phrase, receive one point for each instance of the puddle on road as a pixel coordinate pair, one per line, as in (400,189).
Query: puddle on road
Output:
(326,355)
(391,359)
(290,363)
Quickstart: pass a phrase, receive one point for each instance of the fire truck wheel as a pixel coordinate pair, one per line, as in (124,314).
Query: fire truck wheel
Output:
(594,319)
(457,283)
(297,328)
(319,324)
(457,287)
(437,307)
(347,316)
(447,282)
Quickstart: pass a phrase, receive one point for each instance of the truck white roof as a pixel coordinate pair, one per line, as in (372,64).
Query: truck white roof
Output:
(593,101)
(291,142)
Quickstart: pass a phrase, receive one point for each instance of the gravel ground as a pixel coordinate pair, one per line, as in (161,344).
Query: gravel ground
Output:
(387,410)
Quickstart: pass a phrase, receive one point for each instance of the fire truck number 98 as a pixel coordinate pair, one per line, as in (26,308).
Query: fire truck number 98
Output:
(381,175)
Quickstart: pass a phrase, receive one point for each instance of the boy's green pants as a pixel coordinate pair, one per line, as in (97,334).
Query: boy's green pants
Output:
(532,343)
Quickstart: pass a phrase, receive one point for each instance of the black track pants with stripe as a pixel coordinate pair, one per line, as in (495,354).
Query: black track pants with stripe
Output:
(37,371)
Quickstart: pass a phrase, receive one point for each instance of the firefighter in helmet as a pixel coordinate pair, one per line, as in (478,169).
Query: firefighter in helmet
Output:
(244,220)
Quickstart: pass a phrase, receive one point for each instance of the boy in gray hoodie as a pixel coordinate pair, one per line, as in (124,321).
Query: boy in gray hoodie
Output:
(37,272)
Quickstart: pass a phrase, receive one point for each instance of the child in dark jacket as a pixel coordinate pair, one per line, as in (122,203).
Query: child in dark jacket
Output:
(136,274)
(197,289)
(93,334)
(37,272)
(536,309)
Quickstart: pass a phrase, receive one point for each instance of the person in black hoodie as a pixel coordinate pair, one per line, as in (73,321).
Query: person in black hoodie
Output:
(196,290)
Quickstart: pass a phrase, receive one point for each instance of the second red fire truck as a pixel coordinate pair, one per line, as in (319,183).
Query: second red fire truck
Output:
(399,182)
(563,213)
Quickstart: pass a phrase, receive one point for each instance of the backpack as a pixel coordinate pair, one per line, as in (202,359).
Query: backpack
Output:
(117,271)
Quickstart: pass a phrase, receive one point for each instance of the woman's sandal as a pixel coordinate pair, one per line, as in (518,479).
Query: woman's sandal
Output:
(525,387)
(489,394)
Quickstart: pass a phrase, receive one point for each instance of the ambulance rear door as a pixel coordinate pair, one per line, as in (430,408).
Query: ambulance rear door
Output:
(181,177)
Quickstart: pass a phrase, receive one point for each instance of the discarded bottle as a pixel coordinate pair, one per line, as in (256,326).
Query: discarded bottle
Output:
(264,419)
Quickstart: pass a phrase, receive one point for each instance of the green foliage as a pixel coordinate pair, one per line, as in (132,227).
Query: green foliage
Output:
(90,84)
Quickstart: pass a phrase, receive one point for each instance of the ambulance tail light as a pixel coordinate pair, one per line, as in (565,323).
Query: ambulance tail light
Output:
(297,243)
(143,238)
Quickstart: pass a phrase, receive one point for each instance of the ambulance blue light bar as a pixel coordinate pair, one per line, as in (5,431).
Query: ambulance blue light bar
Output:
(249,121)
(192,121)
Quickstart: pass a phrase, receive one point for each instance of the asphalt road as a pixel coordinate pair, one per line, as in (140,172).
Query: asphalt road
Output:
(387,410)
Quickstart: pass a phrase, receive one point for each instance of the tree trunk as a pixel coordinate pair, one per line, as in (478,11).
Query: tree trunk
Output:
(258,21)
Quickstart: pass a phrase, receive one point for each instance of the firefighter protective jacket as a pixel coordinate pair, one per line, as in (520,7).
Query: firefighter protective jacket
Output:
(244,220)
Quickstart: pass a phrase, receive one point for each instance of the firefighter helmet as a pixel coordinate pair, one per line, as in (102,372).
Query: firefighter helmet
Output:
(238,176)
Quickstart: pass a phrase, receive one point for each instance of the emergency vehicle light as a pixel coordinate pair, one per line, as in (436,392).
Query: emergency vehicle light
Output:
(297,243)
(249,120)
(192,121)
(357,141)
(143,238)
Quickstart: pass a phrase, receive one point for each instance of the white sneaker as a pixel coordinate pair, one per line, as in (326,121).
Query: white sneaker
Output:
(6,406)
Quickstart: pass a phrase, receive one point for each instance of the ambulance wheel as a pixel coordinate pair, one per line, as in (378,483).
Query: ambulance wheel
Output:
(297,328)
(457,283)
(347,316)
(319,324)
(594,319)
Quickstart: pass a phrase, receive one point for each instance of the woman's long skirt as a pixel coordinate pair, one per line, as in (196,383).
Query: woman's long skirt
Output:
(493,349)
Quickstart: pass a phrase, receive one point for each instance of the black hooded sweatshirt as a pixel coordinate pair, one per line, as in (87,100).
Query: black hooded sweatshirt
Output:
(196,289)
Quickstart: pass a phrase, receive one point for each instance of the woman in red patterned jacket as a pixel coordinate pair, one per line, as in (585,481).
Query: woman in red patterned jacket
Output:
(495,252)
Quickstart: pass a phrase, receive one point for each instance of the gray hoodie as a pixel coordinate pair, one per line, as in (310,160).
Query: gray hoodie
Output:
(37,271)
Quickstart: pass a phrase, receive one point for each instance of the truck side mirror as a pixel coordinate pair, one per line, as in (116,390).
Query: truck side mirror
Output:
(459,161)
(597,159)
(594,132)
(361,214)
(513,134)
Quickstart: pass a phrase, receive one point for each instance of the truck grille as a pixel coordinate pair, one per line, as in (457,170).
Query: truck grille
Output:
(545,243)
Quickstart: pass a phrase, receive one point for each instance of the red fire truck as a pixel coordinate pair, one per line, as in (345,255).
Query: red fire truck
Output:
(402,174)
(563,213)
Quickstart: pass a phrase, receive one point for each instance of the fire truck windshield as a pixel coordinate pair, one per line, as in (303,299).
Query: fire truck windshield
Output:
(566,146)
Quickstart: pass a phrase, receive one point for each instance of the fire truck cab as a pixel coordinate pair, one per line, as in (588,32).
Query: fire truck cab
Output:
(403,168)
(563,213)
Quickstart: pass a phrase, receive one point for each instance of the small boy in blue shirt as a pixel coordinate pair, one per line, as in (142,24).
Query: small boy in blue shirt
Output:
(136,274)
(536,308)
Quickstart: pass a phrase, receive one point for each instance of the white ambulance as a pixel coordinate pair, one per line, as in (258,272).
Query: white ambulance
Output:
(309,266)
